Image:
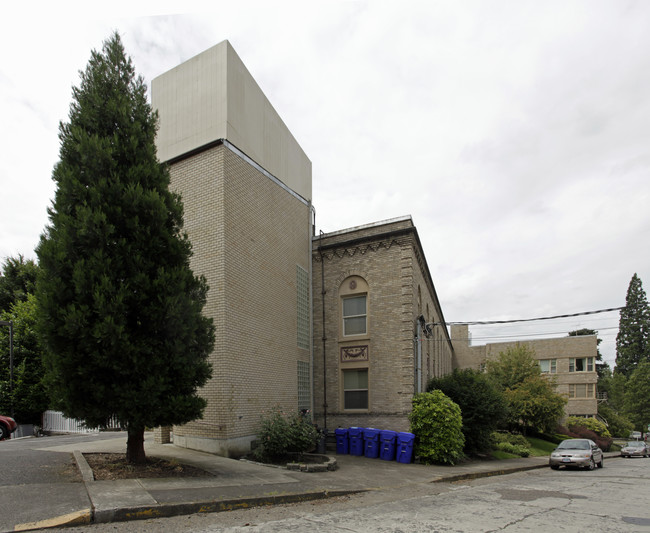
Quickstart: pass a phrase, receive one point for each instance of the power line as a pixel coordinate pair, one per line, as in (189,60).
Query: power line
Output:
(539,334)
(486,322)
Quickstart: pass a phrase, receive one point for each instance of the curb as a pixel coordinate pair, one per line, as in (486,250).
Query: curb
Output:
(327,466)
(177,509)
(124,514)
(78,518)
(490,473)
(84,468)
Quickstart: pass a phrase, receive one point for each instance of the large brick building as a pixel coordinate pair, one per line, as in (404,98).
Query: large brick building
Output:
(373,299)
(341,323)
(246,188)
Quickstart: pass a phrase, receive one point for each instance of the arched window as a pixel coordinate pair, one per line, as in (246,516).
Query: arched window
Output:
(354,306)
(354,333)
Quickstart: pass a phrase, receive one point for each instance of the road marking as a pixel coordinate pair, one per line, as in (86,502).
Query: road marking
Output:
(77,518)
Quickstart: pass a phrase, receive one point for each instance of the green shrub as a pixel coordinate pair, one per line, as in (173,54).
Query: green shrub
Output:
(511,438)
(555,438)
(618,425)
(437,425)
(521,451)
(281,434)
(591,424)
(481,403)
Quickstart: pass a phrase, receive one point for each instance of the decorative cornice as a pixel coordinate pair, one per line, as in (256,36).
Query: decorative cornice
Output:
(329,252)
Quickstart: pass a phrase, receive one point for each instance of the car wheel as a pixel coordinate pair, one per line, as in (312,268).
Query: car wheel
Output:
(602,462)
(591,465)
(555,467)
(4,432)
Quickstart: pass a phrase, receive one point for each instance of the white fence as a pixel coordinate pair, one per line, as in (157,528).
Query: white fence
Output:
(55,422)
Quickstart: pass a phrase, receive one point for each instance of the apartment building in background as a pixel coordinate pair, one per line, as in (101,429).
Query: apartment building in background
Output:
(569,361)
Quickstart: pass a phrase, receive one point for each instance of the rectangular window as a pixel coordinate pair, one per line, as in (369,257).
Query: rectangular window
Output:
(354,315)
(548,366)
(355,389)
(581,390)
(302,285)
(304,390)
(583,364)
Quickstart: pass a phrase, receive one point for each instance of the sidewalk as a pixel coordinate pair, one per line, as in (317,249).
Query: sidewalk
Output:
(235,484)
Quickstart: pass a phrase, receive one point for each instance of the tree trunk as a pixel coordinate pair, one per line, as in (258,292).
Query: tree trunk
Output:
(135,446)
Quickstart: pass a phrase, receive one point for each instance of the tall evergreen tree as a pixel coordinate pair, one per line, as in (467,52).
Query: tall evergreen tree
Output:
(633,339)
(119,307)
(637,393)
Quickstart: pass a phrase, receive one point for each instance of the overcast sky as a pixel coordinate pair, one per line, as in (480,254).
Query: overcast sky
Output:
(515,133)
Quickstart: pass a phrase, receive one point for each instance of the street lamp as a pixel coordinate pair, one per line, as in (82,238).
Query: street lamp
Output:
(11,361)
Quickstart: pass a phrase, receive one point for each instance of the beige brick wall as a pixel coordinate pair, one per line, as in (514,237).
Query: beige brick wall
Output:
(386,257)
(561,348)
(248,235)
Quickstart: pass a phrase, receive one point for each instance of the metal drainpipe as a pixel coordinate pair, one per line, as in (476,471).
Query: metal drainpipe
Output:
(323,292)
(418,354)
(312,228)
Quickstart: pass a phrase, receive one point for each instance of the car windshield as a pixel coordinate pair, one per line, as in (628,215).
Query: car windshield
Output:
(574,445)
(635,444)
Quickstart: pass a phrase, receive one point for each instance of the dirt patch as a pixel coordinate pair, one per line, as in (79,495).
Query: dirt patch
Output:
(111,466)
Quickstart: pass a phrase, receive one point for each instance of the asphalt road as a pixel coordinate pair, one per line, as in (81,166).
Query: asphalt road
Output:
(27,461)
(612,499)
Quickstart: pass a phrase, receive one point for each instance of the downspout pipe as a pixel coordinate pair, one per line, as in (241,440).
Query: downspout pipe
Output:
(312,229)
(324,339)
(420,329)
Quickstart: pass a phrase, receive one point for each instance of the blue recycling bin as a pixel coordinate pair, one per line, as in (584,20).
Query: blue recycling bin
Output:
(342,442)
(404,451)
(371,442)
(356,440)
(387,444)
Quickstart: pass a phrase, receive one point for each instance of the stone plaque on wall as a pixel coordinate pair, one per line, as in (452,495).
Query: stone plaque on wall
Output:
(354,353)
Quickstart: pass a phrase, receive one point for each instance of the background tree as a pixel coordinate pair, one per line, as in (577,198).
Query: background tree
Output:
(17,280)
(612,410)
(513,366)
(119,307)
(633,339)
(613,386)
(482,405)
(601,365)
(533,404)
(530,397)
(619,425)
(637,396)
(28,396)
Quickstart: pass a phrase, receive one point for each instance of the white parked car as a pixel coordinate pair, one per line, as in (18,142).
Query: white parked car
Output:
(583,453)
(635,447)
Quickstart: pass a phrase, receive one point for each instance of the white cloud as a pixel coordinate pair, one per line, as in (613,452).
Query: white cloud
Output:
(514,132)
